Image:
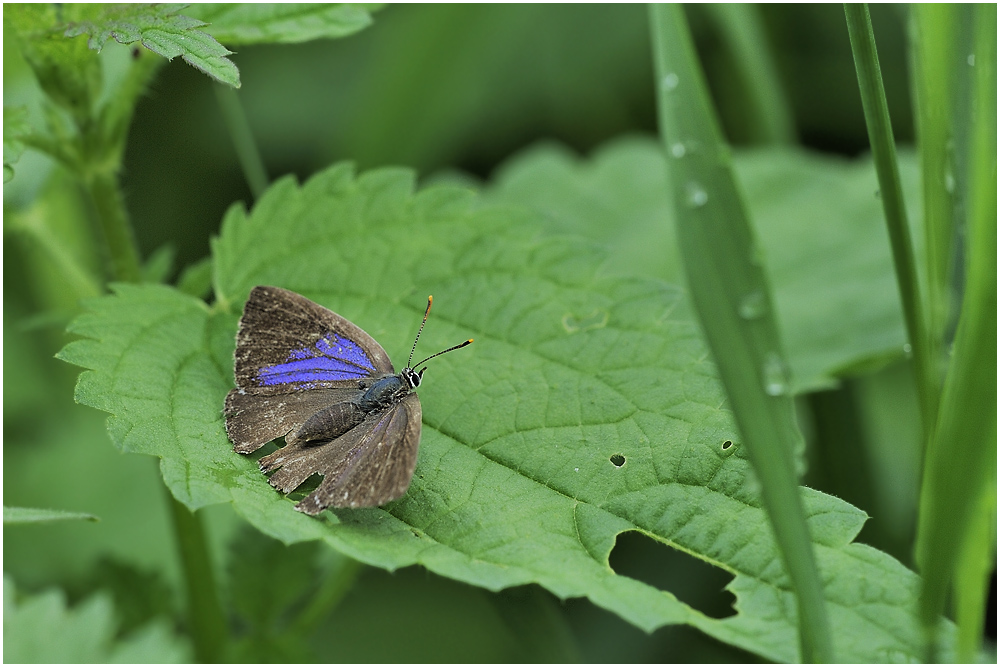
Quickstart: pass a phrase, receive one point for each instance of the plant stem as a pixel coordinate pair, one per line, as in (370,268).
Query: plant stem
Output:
(207,623)
(884,155)
(113,219)
(243,141)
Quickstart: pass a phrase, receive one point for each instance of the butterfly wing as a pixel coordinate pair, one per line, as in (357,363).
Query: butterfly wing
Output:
(288,343)
(293,358)
(253,420)
(369,465)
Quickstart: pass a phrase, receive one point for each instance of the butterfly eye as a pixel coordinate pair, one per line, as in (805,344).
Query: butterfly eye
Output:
(412,378)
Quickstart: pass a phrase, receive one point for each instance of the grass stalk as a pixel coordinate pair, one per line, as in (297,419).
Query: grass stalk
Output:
(732,296)
(883,147)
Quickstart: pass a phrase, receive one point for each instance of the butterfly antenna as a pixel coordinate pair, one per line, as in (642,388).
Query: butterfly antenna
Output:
(460,345)
(430,300)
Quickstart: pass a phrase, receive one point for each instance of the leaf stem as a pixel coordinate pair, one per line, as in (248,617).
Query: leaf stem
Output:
(243,141)
(123,254)
(207,623)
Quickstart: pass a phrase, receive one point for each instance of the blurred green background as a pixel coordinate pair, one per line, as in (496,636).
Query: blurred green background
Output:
(440,88)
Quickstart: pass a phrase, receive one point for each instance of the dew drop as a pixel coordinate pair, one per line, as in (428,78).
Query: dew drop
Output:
(696,195)
(971,60)
(949,182)
(576,470)
(670,82)
(678,150)
(775,375)
(907,349)
(753,305)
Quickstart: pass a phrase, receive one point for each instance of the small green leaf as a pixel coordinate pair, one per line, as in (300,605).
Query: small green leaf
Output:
(280,23)
(15,126)
(41,628)
(12,515)
(515,481)
(196,279)
(163,31)
(252,553)
(268,607)
(160,264)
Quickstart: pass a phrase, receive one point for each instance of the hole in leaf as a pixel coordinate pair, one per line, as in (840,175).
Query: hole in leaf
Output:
(691,580)
(618,460)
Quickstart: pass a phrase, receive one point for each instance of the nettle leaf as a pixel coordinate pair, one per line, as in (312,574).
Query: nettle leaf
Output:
(41,628)
(818,220)
(280,23)
(587,407)
(163,31)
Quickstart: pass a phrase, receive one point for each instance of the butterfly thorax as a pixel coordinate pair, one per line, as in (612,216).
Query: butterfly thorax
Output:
(386,390)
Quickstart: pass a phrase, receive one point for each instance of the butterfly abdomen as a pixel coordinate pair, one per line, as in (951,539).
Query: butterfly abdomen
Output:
(329,423)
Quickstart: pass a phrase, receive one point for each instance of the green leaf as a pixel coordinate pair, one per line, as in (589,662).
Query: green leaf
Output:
(160,264)
(32,515)
(163,31)
(280,23)
(515,482)
(196,278)
(41,628)
(15,126)
(825,248)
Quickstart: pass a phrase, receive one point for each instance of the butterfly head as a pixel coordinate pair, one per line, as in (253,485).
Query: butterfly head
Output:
(412,378)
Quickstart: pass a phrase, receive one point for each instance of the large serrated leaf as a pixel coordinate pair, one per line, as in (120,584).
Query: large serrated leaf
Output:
(587,407)
(817,218)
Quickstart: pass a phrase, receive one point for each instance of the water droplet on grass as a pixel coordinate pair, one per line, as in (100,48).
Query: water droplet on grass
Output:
(696,195)
(775,375)
(753,305)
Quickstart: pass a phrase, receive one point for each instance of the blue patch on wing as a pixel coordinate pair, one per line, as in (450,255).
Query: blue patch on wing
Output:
(332,358)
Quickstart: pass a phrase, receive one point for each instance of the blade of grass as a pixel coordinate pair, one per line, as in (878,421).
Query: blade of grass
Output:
(883,146)
(732,296)
(972,577)
(935,26)
(770,115)
(961,459)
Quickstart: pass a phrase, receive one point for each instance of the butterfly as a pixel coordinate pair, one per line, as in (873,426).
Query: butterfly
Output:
(318,380)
